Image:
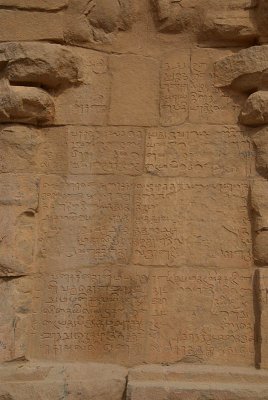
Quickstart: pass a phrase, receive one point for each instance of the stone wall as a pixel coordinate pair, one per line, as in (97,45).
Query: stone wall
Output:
(133,199)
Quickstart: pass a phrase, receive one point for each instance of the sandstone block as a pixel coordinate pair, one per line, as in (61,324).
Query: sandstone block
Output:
(255,110)
(174,88)
(92,213)
(28,105)
(263,309)
(25,25)
(261,16)
(47,65)
(260,140)
(242,70)
(259,192)
(186,236)
(97,22)
(134,92)
(234,26)
(199,151)
(208,103)
(191,382)
(137,315)
(46,5)
(48,381)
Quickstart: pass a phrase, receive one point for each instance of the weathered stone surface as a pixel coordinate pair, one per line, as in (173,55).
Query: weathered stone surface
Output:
(94,214)
(135,315)
(195,382)
(208,103)
(243,70)
(255,110)
(133,220)
(46,5)
(262,15)
(263,309)
(185,235)
(260,140)
(259,192)
(24,25)
(54,381)
(199,151)
(47,65)
(135,94)
(97,21)
(28,105)
(234,26)
(174,88)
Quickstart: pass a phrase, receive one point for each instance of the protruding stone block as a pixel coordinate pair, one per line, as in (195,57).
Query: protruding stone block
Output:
(260,140)
(47,65)
(255,110)
(28,105)
(242,70)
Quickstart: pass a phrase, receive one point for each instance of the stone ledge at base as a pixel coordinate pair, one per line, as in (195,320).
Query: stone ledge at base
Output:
(62,381)
(196,382)
(88,381)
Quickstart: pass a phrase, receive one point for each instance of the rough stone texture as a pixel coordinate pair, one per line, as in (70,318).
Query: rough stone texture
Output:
(263,298)
(259,191)
(43,64)
(260,140)
(133,191)
(57,381)
(191,383)
(46,5)
(255,110)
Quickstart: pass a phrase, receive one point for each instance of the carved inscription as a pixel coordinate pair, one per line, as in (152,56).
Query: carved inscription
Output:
(106,150)
(174,97)
(199,315)
(134,316)
(91,314)
(92,215)
(199,151)
(180,222)
(207,102)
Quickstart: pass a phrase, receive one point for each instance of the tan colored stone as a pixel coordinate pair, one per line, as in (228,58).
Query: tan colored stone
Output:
(135,316)
(28,105)
(263,329)
(46,5)
(176,220)
(174,88)
(199,151)
(261,16)
(94,214)
(48,381)
(47,65)
(243,70)
(105,315)
(260,140)
(97,21)
(134,91)
(259,192)
(255,110)
(192,382)
(14,307)
(232,26)
(175,17)
(24,25)
(208,103)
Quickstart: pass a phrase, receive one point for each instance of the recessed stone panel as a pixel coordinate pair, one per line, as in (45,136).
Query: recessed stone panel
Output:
(195,150)
(92,214)
(191,222)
